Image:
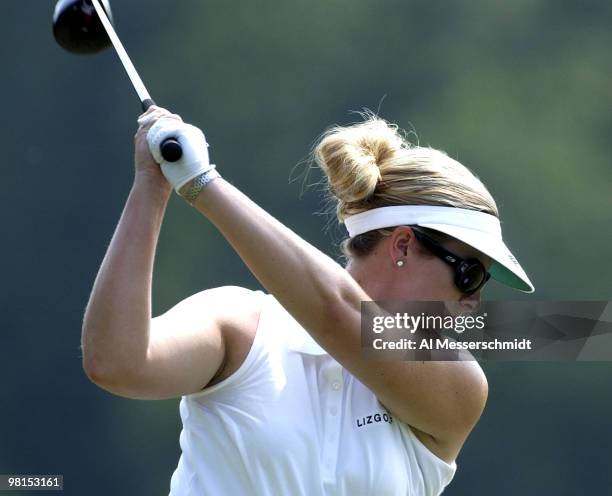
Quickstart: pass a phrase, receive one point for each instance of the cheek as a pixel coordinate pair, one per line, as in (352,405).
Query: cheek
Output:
(438,280)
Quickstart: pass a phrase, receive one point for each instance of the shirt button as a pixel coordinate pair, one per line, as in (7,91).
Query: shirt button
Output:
(335,385)
(333,410)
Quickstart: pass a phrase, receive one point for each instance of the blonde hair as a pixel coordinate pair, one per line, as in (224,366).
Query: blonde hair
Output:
(371,164)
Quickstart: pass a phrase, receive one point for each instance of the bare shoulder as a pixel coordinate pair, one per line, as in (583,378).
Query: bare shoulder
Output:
(238,327)
(225,302)
(195,344)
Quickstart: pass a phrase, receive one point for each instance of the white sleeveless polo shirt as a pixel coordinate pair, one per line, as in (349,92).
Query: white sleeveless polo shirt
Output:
(291,422)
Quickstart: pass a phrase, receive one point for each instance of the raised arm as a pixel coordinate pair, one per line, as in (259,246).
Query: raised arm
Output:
(116,325)
(125,350)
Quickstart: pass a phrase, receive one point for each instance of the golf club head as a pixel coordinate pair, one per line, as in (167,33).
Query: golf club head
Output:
(77,27)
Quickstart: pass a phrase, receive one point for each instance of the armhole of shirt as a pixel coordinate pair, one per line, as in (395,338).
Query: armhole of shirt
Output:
(250,359)
(436,471)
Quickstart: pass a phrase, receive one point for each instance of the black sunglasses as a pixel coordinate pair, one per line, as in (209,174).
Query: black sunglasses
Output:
(470,274)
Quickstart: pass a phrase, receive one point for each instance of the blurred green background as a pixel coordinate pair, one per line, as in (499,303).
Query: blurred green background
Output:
(519,91)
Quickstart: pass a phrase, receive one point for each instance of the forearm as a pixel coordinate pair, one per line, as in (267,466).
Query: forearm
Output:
(116,323)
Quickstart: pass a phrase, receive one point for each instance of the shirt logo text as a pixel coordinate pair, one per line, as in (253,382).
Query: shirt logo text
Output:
(373,419)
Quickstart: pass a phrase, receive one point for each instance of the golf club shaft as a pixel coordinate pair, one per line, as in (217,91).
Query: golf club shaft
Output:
(170,149)
(139,86)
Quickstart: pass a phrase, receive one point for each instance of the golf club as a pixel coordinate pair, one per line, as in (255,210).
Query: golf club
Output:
(85,27)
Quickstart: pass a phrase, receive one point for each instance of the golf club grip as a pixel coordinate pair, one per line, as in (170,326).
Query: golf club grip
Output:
(170,148)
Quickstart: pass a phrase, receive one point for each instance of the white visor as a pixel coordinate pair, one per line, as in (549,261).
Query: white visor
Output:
(476,229)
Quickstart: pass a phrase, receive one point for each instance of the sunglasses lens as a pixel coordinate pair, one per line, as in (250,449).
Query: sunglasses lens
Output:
(472,277)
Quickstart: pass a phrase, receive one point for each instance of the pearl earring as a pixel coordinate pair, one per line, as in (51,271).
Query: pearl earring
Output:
(400,263)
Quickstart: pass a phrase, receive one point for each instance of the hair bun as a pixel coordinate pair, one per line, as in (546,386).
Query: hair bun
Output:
(354,157)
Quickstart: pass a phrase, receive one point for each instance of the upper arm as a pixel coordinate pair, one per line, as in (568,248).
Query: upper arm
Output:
(188,344)
(442,408)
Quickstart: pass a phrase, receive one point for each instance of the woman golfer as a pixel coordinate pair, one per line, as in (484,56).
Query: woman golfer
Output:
(277,398)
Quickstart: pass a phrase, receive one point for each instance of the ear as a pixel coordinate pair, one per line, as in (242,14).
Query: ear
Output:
(400,242)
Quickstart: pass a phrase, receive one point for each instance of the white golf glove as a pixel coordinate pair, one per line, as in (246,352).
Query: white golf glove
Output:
(194,161)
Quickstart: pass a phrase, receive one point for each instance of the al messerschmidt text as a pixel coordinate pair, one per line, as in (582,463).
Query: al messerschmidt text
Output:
(450,344)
